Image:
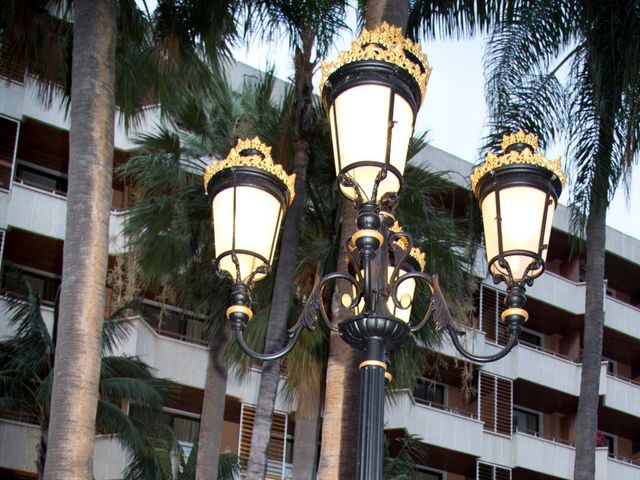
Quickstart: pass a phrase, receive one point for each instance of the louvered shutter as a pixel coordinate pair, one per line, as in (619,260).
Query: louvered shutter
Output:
(3,234)
(490,308)
(277,442)
(495,403)
(9,130)
(487,471)
(9,68)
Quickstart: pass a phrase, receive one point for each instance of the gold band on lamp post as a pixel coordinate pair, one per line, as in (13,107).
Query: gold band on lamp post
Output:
(372,363)
(239,309)
(515,311)
(367,233)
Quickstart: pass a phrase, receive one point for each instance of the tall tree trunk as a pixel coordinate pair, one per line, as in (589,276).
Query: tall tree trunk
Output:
(394,12)
(283,285)
(340,420)
(77,367)
(210,435)
(587,416)
(307,433)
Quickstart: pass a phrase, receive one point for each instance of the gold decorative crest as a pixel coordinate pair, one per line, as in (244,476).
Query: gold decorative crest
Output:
(386,43)
(420,257)
(417,254)
(527,156)
(236,159)
(519,137)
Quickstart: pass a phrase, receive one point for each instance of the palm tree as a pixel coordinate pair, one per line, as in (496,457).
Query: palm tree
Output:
(597,113)
(419,18)
(169,225)
(26,376)
(39,33)
(183,31)
(310,25)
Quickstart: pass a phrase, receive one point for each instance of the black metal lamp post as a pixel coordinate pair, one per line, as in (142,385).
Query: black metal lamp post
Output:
(372,95)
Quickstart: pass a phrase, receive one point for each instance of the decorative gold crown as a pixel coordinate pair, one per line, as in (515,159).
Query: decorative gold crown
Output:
(386,43)
(527,156)
(265,162)
(417,254)
(519,137)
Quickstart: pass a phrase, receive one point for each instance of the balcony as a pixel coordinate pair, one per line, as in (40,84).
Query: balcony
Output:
(562,293)
(622,395)
(437,426)
(20,450)
(543,367)
(19,445)
(6,330)
(542,455)
(42,211)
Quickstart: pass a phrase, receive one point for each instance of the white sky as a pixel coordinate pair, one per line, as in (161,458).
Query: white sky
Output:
(454,109)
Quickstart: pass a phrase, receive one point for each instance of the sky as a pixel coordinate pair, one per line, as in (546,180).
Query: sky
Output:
(454,109)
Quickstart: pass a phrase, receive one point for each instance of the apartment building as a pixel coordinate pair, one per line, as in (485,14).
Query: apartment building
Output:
(517,421)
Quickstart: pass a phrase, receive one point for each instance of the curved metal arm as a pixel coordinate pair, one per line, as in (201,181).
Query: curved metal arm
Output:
(453,333)
(439,309)
(294,335)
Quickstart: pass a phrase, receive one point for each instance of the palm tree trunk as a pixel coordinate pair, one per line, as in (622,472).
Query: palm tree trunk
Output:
(77,368)
(212,417)
(280,301)
(394,12)
(587,416)
(340,421)
(307,433)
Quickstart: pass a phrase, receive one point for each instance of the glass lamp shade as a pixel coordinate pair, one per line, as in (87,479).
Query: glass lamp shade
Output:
(518,193)
(365,140)
(371,95)
(248,203)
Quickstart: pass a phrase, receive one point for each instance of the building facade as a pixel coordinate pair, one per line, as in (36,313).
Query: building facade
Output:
(512,419)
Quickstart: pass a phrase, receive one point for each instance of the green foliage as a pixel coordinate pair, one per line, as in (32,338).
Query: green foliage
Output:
(407,451)
(26,373)
(162,56)
(596,111)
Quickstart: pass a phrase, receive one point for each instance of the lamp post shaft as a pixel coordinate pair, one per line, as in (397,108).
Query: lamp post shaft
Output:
(371,416)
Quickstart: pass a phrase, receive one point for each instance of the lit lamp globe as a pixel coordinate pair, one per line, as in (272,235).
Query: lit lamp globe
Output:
(518,193)
(371,95)
(249,196)
(415,262)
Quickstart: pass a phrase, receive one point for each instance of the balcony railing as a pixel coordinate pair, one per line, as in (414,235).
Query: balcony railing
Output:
(174,322)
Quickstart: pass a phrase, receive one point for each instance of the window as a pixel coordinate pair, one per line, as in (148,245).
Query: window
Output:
(531,338)
(41,177)
(43,284)
(428,391)
(526,421)
(429,475)
(606,440)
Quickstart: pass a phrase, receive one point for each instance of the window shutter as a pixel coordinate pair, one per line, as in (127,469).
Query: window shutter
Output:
(495,403)
(9,130)
(490,308)
(277,442)
(487,471)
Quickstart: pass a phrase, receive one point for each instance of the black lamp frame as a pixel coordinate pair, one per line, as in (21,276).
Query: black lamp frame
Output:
(371,250)
(371,72)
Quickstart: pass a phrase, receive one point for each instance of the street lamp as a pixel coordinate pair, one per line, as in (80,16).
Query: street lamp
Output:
(371,95)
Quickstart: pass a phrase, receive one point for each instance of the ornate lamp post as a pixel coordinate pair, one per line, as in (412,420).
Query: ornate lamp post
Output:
(371,95)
